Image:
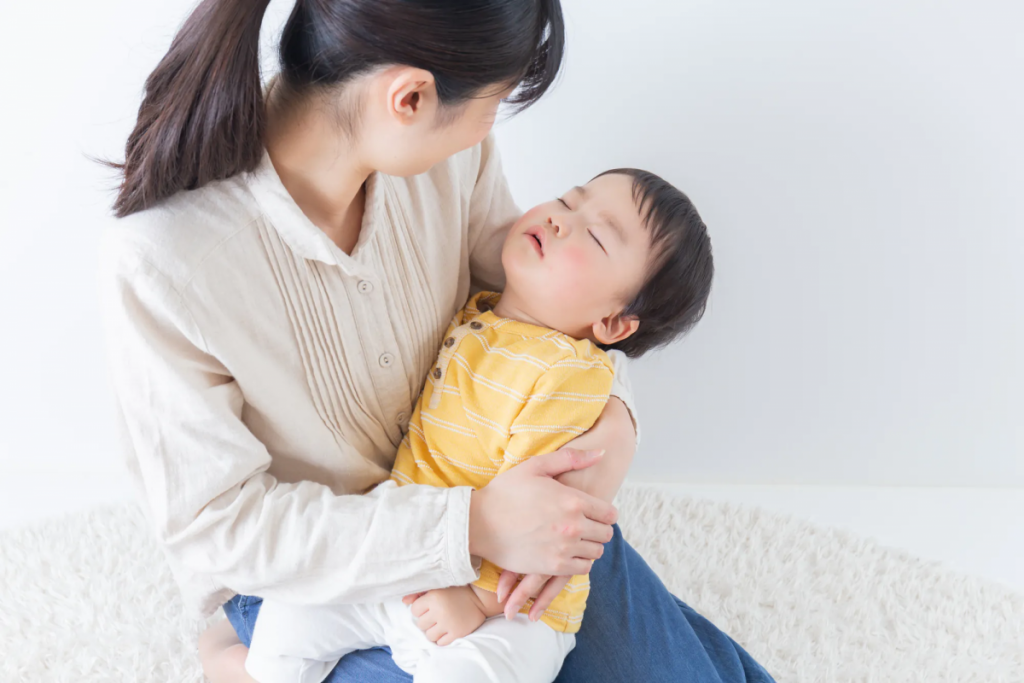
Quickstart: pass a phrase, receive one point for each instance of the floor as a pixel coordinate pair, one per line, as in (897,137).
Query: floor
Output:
(977,531)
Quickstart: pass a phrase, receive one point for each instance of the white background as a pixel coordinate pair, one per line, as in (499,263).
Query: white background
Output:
(859,165)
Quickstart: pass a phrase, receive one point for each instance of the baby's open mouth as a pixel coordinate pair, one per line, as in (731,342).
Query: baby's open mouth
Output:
(537,240)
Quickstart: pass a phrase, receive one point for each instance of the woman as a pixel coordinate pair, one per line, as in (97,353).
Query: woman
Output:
(276,294)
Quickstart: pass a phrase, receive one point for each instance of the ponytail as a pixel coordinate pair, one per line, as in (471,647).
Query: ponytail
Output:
(203,116)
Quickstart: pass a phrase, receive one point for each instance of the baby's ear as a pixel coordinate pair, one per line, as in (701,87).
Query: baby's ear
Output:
(615,328)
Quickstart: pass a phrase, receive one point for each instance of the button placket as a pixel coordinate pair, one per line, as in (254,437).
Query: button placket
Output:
(448,348)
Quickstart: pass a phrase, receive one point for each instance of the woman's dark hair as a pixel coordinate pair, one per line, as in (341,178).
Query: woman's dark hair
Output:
(203,114)
(673,297)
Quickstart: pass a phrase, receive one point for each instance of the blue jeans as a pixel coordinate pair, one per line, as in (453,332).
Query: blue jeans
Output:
(633,630)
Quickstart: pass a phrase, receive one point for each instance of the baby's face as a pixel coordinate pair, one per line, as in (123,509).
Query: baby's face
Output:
(576,261)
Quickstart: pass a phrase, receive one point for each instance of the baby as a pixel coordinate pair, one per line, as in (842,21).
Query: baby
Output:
(623,262)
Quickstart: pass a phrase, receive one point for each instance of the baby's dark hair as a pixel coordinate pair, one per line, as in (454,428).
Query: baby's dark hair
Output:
(674,295)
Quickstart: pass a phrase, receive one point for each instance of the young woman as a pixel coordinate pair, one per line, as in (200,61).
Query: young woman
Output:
(288,261)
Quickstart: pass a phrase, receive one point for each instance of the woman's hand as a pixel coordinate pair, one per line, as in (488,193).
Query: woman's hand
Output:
(541,587)
(613,430)
(526,521)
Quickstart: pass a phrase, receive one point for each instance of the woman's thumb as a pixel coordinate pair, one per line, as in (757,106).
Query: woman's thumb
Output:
(564,460)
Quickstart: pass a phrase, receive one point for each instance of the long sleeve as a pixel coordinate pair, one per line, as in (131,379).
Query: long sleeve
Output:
(204,479)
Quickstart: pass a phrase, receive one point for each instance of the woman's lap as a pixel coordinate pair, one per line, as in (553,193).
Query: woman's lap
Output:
(633,630)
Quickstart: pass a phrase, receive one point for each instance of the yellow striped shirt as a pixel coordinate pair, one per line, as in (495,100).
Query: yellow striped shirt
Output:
(501,392)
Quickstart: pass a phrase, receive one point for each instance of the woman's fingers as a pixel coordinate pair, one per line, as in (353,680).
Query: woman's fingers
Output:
(576,567)
(506,582)
(598,510)
(553,587)
(596,531)
(528,587)
(588,550)
(562,461)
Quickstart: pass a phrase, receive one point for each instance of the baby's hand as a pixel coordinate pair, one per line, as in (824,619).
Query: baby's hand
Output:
(448,613)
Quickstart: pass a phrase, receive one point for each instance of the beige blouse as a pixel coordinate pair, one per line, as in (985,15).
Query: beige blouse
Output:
(263,376)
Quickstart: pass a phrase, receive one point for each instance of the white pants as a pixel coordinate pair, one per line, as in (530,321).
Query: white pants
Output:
(302,644)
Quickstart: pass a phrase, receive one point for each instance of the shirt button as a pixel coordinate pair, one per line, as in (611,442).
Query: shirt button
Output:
(476,326)
(449,342)
(386,360)
(365,287)
(483,307)
(437,373)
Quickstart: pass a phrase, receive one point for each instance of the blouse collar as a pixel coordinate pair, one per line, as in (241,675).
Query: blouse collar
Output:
(301,234)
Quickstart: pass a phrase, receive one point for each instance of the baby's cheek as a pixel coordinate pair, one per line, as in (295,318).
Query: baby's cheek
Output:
(575,259)
(576,267)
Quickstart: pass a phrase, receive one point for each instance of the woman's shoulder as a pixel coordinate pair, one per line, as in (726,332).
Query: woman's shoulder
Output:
(176,235)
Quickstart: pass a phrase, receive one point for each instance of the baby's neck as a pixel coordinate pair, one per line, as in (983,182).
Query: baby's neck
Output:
(510,307)
(513,307)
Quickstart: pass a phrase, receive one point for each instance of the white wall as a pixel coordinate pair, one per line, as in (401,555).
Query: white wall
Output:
(858,164)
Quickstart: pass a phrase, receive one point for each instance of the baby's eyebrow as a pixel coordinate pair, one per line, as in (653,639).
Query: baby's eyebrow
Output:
(605,216)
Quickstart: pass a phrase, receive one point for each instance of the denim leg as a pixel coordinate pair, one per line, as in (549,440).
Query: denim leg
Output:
(364,666)
(635,630)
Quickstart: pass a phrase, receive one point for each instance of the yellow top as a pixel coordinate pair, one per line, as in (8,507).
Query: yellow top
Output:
(501,392)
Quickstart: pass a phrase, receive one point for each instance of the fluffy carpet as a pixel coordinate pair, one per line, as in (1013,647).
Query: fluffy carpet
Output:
(89,598)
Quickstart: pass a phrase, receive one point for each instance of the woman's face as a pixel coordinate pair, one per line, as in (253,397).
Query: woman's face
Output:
(406,131)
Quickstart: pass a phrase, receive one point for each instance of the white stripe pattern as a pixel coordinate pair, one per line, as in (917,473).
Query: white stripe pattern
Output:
(511,356)
(481,420)
(548,429)
(490,384)
(445,424)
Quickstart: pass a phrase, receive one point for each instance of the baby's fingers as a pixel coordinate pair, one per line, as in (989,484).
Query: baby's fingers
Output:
(409,599)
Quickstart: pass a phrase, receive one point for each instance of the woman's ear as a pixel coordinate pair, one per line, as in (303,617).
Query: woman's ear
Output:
(614,328)
(412,95)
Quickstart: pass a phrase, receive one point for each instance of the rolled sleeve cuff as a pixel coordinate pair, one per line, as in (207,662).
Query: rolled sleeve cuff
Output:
(464,568)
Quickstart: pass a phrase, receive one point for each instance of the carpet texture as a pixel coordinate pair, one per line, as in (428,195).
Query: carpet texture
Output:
(89,598)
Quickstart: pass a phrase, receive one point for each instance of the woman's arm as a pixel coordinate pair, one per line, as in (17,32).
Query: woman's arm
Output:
(222,516)
(205,482)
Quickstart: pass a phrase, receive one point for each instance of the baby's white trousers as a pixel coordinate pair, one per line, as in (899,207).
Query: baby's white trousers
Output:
(303,643)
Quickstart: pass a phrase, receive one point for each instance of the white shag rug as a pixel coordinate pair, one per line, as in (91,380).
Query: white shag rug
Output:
(89,598)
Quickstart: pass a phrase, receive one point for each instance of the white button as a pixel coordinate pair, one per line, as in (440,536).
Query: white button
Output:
(401,419)
(365,287)
(386,360)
